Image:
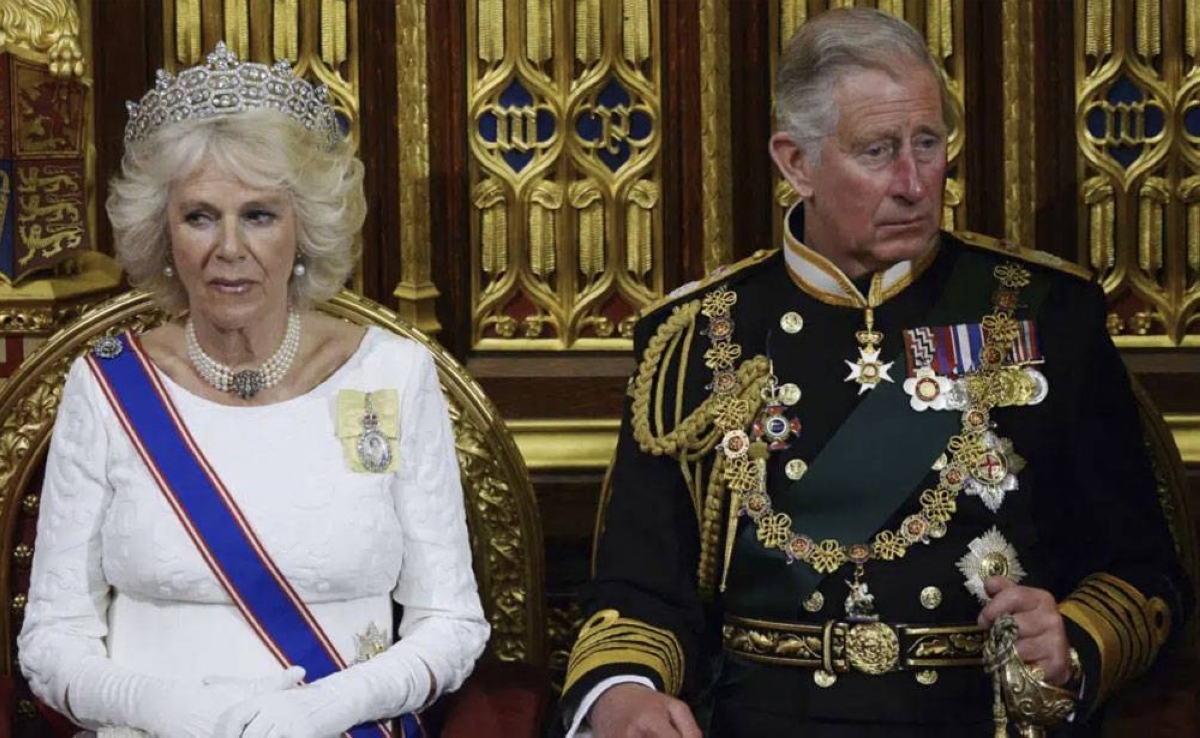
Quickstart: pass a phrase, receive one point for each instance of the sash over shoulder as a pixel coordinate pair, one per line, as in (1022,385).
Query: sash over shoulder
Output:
(212,519)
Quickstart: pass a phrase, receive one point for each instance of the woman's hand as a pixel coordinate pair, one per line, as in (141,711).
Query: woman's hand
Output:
(181,712)
(316,710)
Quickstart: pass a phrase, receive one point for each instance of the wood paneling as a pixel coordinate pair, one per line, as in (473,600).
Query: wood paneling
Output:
(448,194)
(378,148)
(127,49)
(751,125)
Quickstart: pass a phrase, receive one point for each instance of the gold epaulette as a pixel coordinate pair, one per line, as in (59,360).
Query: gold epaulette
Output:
(1128,628)
(607,638)
(1032,256)
(716,275)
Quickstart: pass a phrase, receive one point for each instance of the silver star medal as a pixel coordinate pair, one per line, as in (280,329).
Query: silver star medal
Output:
(988,556)
(868,370)
(995,473)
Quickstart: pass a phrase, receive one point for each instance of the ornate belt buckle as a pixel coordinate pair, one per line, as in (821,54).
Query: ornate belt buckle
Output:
(872,648)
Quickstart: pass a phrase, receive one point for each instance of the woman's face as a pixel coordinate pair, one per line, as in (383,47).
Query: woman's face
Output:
(233,247)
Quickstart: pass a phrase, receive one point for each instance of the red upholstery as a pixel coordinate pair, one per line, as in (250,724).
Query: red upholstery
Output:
(506,700)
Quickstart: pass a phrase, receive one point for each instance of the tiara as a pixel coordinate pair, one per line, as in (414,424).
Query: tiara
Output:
(225,86)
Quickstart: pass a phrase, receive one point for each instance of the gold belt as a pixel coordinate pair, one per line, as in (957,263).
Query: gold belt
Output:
(871,648)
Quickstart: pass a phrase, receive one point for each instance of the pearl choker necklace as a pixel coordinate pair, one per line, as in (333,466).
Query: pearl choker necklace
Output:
(248,382)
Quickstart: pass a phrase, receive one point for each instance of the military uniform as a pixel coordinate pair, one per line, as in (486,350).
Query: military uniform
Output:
(755,487)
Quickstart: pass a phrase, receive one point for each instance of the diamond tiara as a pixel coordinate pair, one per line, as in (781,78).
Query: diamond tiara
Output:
(225,86)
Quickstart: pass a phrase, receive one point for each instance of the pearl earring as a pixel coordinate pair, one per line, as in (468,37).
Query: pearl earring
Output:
(168,271)
(298,269)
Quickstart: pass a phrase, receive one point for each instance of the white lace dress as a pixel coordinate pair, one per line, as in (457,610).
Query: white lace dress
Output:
(115,574)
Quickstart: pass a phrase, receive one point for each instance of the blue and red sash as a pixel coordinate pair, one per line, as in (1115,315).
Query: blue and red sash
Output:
(216,524)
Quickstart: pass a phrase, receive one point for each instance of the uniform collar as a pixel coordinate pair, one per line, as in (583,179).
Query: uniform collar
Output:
(817,275)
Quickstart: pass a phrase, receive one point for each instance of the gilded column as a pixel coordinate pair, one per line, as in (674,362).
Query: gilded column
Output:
(715,142)
(416,291)
(1020,182)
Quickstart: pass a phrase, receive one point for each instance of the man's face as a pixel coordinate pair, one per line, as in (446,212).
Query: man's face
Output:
(875,198)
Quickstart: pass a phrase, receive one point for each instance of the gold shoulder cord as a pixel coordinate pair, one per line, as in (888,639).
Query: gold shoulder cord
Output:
(736,396)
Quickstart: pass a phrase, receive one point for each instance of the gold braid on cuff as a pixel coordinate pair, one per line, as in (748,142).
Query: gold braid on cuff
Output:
(1128,628)
(607,638)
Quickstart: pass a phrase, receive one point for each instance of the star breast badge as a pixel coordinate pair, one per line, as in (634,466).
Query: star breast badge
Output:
(994,474)
(988,556)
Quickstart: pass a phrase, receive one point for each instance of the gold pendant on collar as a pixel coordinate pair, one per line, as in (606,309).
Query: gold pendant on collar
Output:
(867,370)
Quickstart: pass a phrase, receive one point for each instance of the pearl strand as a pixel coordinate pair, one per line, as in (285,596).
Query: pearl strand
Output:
(246,383)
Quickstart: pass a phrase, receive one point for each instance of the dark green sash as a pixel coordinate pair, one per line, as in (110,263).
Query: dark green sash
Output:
(884,449)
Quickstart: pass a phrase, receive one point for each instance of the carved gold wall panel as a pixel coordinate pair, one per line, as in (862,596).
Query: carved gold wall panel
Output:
(49,271)
(1138,136)
(564,119)
(319,37)
(941,22)
(416,294)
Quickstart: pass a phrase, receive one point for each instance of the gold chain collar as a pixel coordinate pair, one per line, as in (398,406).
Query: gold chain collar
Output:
(744,473)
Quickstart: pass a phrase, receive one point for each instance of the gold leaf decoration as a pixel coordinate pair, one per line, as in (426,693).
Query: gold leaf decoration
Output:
(493,229)
(585,197)
(491,30)
(285,29)
(636,31)
(639,228)
(587,31)
(539,30)
(546,201)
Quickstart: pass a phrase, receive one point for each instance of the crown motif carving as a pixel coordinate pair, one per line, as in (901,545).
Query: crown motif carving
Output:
(225,86)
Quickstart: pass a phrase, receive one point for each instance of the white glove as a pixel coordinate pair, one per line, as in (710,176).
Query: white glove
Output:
(103,693)
(372,690)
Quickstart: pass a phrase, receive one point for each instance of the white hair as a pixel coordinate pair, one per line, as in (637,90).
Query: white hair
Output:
(263,148)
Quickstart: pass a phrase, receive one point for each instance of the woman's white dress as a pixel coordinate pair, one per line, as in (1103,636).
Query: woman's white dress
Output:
(115,574)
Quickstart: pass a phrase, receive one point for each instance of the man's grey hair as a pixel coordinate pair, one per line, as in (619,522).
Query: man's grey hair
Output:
(834,43)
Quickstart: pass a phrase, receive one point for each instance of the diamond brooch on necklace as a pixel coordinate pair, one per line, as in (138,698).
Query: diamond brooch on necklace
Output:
(246,383)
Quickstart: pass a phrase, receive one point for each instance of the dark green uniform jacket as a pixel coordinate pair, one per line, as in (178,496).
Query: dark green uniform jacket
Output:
(1084,521)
